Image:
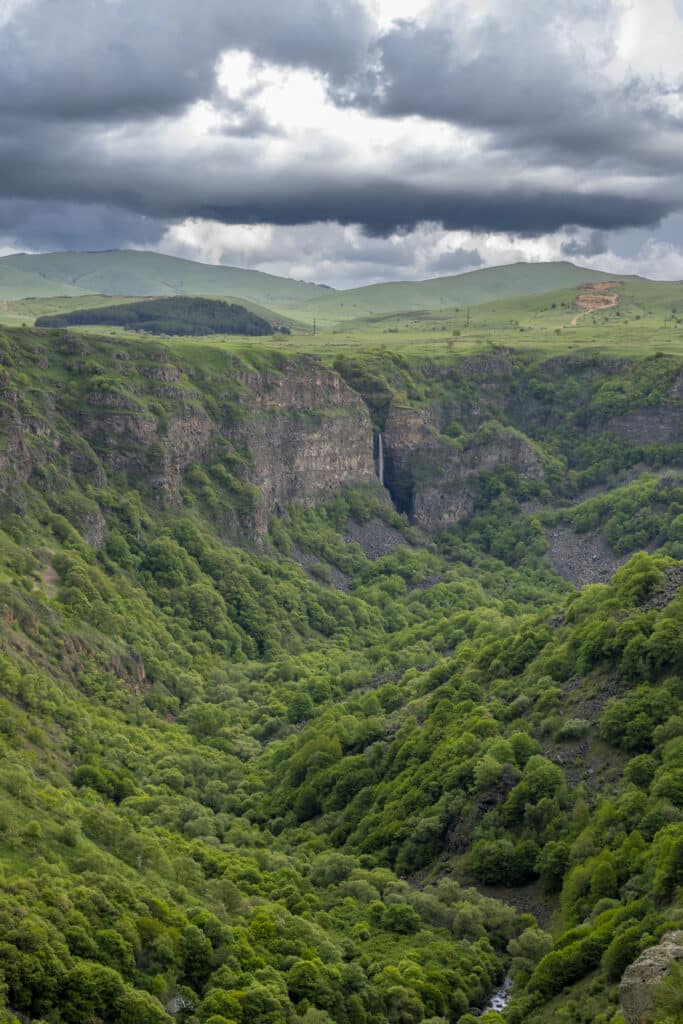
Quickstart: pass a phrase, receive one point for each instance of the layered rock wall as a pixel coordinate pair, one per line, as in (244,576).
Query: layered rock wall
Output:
(307,434)
(434,479)
(140,416)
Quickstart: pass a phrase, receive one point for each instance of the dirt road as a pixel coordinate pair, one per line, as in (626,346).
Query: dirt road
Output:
(593,297)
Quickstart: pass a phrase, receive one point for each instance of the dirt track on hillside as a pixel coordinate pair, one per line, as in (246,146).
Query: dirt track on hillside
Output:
(593,297)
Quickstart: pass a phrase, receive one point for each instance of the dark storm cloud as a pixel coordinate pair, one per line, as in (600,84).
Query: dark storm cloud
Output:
(84,59)
(51,163)
(593,245)
(60,165)
(77,78)
(455,260)
(45,226)
(383,206)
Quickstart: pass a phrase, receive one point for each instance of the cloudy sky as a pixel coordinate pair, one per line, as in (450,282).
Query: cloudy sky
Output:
(346,141)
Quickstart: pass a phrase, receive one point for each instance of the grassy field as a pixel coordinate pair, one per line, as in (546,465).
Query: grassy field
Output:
(647,318)
(445,293)
(134,273)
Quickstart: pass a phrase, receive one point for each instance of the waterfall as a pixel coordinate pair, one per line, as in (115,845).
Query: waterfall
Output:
(380,458)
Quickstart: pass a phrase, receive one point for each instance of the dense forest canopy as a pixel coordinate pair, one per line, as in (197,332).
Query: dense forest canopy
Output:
(344,769)
(174,316)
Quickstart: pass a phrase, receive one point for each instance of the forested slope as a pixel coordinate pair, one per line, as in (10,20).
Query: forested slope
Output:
(176,316)
(274,753)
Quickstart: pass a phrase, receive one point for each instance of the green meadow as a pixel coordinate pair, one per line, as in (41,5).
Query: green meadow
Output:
(648,318)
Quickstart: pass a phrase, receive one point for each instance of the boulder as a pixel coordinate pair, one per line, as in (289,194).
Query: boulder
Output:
(643,977)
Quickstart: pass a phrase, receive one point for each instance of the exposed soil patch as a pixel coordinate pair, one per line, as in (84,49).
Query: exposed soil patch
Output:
(582,703)
(593,297)
(581,558)
(375,538)
(459,836)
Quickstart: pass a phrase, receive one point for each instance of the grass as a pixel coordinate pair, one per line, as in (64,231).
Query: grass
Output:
(647,319)
(445,293)
(136,273)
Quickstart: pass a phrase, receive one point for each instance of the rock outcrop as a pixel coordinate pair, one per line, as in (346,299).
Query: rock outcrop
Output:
(307,434)
(433,478)
(643,978)
(648,426)
(296,432)
(271,430)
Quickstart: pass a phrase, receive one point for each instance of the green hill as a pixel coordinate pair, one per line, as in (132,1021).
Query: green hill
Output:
(130,272)
(17,282)
(180,315)
(636,299)
(134,273)
(493,283)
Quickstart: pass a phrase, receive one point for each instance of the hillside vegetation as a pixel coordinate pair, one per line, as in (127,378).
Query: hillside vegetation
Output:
(131,272)
(272,753)
(178,316)
(441,293)
(642,317)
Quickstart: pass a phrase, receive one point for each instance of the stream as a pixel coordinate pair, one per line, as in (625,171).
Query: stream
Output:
(501,998)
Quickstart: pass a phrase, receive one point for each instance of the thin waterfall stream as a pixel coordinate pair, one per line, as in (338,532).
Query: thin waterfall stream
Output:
(380,458)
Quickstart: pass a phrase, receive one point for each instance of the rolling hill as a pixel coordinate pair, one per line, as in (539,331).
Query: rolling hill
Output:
(18,283)
(469,289)
(132,273)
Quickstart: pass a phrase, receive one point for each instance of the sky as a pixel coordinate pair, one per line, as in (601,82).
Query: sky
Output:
(346,141)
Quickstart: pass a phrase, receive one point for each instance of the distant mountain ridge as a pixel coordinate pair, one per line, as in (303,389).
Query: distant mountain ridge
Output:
(138,273)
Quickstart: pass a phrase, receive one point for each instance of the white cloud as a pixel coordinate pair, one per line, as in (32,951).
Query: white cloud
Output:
(344,256)
(386,12)
(650,38)
(661,261)
(9,10)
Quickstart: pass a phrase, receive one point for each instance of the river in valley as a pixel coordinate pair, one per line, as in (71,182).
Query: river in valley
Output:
(501,997)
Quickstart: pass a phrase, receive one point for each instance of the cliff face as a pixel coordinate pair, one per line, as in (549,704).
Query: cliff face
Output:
(140,416)
(434,478)
(648,426)
(307,433)
(296,432)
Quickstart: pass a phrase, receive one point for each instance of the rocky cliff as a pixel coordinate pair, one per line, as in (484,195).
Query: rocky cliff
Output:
(643,980)
(139,419)
(433,478)
(273,429)
(306,433)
